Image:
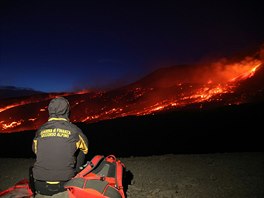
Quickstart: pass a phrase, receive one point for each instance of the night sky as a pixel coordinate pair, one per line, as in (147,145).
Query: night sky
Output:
(55,46)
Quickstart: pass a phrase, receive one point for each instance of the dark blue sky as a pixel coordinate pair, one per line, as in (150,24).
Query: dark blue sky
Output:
(65,45)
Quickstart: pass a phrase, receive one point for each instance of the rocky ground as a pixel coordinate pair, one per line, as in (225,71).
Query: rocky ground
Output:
(217,175)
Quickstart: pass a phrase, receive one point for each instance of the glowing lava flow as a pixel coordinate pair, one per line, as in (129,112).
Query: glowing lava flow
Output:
(32,100)
(180,96)
(247,74)
(204,84)
(11,125)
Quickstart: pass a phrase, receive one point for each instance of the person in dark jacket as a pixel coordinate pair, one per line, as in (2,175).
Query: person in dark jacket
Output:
(60,149)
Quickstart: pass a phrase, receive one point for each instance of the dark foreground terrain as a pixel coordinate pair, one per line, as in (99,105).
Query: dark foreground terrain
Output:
(184,154)
(219,175)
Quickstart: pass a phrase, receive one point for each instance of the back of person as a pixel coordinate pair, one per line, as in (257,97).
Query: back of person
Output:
(60,147)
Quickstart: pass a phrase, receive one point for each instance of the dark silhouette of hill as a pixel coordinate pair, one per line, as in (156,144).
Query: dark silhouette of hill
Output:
(226,129)
(14,92)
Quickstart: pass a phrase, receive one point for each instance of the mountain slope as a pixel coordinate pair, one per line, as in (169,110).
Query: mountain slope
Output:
(179,87)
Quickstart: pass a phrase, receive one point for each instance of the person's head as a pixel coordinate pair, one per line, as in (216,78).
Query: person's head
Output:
(59,108)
